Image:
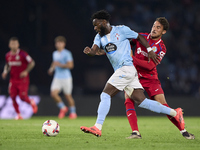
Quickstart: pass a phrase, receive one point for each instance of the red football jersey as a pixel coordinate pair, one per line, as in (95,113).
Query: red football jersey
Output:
(140,58)
(18,62)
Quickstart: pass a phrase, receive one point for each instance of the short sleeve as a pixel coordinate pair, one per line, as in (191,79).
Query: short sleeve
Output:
(129,34)
(53,56)
(27,57)
(162,51)
(97,40)
(69,56)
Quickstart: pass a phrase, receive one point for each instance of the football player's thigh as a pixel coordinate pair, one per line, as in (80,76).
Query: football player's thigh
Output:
(155,92)
(56,86)
(23,87)
(12,89)
(67,86)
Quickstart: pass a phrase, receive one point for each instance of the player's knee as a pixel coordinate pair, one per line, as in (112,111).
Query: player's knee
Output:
(13,96)
(22,96)
(138,96)
(54,94)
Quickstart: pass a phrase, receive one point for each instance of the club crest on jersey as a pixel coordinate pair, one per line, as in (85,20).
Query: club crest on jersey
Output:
(154,48)
(110,47)
(17,57)
(117,36)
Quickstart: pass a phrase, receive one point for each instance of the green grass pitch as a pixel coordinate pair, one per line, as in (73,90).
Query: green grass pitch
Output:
(158,133)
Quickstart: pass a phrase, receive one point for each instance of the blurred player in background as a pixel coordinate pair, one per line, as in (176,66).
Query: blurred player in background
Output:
(148,75)
(62,81)
(19,64)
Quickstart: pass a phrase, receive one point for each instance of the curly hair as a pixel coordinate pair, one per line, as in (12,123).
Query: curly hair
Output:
(102,14)
(164,22)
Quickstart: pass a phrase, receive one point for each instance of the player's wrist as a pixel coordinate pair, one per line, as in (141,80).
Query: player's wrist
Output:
(149,49)
(5,71)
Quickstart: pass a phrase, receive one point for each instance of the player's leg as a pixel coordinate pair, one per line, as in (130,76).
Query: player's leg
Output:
(23,94)
(161,98)
(138,96)
(132,118)
(103,109)
(143,102)
(67,89)
(56,87)
(13,91)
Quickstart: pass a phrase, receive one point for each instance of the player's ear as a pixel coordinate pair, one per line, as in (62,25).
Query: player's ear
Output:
(164,31)
(104,22)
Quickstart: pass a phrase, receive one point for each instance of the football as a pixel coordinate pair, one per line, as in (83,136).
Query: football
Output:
(50,128)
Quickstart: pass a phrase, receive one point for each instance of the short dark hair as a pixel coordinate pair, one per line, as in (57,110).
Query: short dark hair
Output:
(60,39)
(164,22)
(13,39)
(102,14)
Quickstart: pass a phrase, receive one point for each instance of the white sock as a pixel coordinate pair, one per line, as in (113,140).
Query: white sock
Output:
(173,113)
(136,132)
(99,126)
(182,131)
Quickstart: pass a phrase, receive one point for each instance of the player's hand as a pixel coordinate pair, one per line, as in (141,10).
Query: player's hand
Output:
(87,50)
(57,64)
(4,75)
(154,57)
(50,71)
(23,74)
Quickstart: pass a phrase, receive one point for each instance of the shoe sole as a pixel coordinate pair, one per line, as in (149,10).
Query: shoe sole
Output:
(86,131)
(191,137)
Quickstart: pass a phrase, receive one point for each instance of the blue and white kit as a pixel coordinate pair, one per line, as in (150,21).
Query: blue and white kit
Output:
(117,47)
(62,79)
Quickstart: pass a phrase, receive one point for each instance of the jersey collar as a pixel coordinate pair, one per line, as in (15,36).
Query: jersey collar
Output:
(156,42)
(15,53)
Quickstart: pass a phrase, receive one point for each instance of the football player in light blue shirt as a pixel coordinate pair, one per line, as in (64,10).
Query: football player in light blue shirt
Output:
(62,80)
(115,42)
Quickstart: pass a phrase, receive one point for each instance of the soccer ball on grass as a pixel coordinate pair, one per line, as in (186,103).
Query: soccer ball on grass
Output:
(50,128)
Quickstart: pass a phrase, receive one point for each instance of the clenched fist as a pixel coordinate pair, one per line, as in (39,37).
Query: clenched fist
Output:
(87,50)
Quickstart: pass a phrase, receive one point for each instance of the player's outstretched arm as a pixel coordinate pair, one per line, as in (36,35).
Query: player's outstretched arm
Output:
(100,52)
(91,51)
(28,69)
(144,64)
(5,71)
(151,54)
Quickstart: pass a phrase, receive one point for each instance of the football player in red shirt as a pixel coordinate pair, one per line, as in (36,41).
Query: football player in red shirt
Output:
(19,63)
(148,75)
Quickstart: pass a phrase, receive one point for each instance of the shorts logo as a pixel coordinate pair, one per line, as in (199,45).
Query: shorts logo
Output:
(154,48)
(110,48)
(122,76)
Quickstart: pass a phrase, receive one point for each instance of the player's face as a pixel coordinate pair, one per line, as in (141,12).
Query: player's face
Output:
(99,26)
(13,45)
(157,30)
(60,45)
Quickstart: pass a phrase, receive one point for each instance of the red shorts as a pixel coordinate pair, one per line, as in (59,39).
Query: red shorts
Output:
(18,88)
(152,87)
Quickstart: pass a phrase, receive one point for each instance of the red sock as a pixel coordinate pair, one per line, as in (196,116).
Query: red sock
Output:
(131,114)
(15,105)
(173,120)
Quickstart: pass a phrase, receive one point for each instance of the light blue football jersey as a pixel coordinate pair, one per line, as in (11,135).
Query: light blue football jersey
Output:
(117,46)
(63,57)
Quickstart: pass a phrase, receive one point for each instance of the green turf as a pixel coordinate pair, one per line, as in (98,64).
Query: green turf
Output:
(157,134)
